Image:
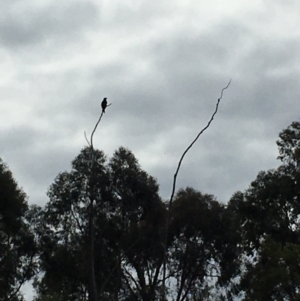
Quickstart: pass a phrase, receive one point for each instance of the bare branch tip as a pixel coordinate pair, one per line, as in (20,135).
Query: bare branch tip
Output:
(86,138)
(224,89)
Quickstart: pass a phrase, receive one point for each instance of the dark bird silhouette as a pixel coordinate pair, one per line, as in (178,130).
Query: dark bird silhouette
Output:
(104,104)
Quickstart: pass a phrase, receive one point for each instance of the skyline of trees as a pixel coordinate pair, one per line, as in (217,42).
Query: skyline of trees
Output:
(249,247)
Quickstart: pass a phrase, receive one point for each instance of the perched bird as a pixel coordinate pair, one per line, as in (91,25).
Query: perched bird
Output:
(104,104)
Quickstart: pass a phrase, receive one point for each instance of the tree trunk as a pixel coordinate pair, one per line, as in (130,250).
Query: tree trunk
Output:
(92,285)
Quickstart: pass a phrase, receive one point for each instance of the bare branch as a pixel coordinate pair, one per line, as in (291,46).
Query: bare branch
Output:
(174,184)
(133,280)
(86,139)
(24,278)
(93,288)
(190,146)
(129,286)
(91,144)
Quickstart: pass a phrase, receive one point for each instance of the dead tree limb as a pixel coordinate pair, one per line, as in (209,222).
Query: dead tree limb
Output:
(86,139)
(94,130)
(90,143)
(174,186)
(190,146)
(93,294)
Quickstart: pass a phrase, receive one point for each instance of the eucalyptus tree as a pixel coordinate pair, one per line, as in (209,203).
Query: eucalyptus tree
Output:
(127,212)
(269,214)
(17,245)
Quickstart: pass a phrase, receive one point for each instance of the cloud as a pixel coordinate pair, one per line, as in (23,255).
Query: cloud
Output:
(25,24)
(162,65)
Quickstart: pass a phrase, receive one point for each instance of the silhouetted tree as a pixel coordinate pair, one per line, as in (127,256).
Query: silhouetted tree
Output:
(204,245)
(17,246)
(126,206)
(269,214)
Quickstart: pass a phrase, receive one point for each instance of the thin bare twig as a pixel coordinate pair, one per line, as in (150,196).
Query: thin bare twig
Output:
(174,184)
(94,130)
(133,280)
(86,139)
(190,146)
(93,291)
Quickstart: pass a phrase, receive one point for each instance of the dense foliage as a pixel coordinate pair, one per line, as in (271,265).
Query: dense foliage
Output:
(17,246)
(102,235)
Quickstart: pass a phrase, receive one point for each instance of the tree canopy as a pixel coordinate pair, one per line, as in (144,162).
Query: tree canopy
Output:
(109,209)
(269,215)
(17,245)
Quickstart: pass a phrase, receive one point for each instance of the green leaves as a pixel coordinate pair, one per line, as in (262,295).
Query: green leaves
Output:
(249,247)
(17,245)
(289,145)
(129,220)
(276,275)
(127,213)
(269,215)
(203,245)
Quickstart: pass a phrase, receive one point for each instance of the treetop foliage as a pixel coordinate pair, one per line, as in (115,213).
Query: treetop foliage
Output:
(248,248)
(17,246)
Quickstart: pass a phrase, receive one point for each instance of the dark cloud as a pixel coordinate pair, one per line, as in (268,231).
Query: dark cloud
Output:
(162,66)
(25,24)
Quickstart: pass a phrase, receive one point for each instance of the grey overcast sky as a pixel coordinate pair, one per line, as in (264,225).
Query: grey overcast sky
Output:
(162,65)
